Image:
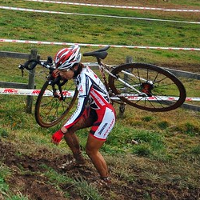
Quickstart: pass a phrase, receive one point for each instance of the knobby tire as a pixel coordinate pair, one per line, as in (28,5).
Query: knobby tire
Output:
(152,80)
(50,110)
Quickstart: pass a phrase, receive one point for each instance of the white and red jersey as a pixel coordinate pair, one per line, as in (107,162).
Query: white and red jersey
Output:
(92,92)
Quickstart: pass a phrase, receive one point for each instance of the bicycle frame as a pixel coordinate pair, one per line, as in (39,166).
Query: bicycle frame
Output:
(144,86)
(107,68)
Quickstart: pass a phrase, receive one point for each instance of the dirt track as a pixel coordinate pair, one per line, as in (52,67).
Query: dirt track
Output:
(36,186)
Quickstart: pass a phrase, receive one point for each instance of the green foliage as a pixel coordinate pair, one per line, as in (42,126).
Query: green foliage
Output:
(4,187)
(55,177)
(3,133)
(118,141)
(196,150)
(17,197)
(147,136)
(4,171)
(16,24)
(190,128)
(150,144)
(142,150)
(163,124)
(86,190)
(147,118)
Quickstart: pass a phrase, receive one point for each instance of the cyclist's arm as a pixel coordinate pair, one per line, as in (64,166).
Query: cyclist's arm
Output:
(84,85)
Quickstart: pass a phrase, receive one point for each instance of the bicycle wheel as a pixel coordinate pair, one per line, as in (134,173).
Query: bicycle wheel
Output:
(147,87)
(50,110)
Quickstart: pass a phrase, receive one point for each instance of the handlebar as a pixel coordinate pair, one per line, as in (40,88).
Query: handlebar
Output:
(31,64)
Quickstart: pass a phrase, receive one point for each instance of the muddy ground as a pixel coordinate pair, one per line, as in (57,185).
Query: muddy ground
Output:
(28,178)
(27,175)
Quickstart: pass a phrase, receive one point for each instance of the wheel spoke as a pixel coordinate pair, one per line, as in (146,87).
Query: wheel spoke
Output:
(51,110)
(149,82)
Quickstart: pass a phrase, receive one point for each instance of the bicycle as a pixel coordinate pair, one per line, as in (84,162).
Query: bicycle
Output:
(144,86)
(55,98)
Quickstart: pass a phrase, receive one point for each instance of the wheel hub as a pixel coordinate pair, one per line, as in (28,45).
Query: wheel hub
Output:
(146,88)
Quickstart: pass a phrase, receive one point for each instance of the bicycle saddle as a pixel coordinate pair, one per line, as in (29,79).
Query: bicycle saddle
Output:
(101,53)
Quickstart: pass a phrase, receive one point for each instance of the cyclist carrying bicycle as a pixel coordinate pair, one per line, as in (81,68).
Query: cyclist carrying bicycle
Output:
(93,110)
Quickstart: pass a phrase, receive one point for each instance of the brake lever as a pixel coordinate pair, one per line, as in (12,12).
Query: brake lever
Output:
(22,69)
(49,61)
(57,81)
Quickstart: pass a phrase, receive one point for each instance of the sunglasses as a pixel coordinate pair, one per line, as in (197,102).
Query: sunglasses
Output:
(64,70)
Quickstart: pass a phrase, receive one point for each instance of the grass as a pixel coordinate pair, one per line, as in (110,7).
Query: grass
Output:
(167,151)
(125,32)
(164,154)
(5,172)
(85,190)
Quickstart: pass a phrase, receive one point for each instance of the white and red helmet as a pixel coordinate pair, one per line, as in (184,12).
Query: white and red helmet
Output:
(66,58)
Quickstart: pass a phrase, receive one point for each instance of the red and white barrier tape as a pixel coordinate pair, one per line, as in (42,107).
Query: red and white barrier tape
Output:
(97,45)
(95,15)
(31,92)
(116,6)
(35,92)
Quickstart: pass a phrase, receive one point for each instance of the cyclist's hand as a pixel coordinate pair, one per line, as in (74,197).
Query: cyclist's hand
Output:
(55,73)
(57,137)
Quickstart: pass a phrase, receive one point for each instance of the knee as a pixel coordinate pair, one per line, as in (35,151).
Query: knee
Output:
(89,151)
(64,130)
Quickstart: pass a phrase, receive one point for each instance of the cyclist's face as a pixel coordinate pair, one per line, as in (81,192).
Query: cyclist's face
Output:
(66,74)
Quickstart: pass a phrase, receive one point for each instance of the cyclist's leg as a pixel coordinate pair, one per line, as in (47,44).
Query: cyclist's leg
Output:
(71,138)
(92,150)
(97,138)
